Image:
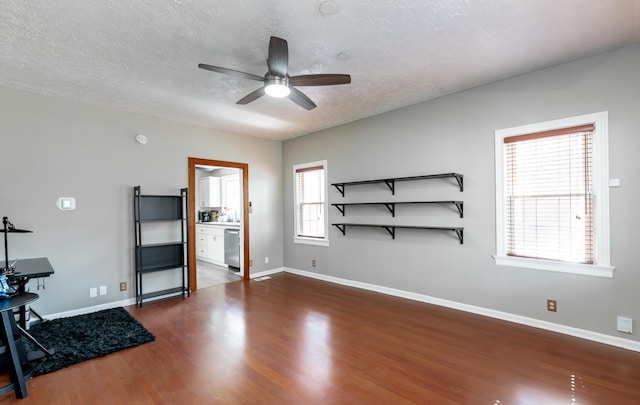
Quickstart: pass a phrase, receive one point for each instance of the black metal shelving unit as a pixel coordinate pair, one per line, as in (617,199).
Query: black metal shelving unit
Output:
(170,255)
(391,205)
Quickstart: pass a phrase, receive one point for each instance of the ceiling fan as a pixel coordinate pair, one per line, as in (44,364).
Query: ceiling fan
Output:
(277,82)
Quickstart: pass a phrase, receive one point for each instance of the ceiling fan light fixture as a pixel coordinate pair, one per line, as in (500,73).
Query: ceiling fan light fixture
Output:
(277,87)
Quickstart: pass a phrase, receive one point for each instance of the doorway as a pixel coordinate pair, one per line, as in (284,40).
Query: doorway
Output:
(243,216)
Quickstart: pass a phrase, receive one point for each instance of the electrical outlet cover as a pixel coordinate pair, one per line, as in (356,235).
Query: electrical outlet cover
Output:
(625,324)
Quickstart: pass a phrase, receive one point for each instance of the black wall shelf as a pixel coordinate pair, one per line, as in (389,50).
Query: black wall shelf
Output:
(459,231)
(170,255)
(391,182)
(391,206)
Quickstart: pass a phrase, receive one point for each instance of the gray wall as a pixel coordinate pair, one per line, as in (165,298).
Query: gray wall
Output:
(456,134)
(55,148)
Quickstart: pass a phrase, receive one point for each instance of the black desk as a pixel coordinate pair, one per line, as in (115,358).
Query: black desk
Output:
(25,270)
(8,330)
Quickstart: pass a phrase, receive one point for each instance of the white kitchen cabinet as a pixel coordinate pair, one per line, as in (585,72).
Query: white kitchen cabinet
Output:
(210,244)
(209,192)
(201,242)
(215,245)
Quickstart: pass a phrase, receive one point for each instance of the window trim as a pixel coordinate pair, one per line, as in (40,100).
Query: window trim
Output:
(602,268)
(308,240)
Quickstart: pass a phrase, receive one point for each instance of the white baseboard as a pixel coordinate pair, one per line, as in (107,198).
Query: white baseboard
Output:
(505,316)
(86,310)
(267,272)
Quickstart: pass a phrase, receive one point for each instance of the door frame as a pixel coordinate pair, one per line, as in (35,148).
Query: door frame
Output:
(244,167)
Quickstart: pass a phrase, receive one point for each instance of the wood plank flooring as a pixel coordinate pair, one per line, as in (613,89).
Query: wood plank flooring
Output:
(294,340)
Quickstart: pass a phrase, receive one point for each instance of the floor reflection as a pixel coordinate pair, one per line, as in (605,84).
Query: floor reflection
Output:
(315,363)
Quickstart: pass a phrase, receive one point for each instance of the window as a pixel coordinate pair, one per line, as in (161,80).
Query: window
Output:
(310,193)
(552,208)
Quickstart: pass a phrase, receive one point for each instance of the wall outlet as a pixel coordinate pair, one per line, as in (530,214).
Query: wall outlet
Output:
(250,262)
(313,263)
(103,290)
(93,292)
(552,306)
(266,259)
(625,325)
(123,286)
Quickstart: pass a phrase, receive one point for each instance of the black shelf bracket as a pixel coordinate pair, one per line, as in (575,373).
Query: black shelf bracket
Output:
(391,183)
(391,230)
(460,234)
(339,187)
(460,180)
(342,228)
(340,208)
(460,207)
(391,207)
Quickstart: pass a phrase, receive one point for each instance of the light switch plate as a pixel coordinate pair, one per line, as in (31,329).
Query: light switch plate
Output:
(614,182)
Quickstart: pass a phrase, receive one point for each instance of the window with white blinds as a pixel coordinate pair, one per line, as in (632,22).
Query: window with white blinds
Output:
(310,203)
(549,195)
(552,196)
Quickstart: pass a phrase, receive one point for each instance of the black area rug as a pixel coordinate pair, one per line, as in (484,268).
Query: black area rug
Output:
(84,337)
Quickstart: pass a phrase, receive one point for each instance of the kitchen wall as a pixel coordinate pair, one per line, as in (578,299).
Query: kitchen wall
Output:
(55,148)
(456,134)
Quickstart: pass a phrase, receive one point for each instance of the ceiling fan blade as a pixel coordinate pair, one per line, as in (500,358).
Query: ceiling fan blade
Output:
(278,59)
(301,99)
(254,95)
(319,80)
(231,72)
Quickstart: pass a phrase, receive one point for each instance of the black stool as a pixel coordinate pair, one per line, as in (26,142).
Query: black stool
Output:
(12,341)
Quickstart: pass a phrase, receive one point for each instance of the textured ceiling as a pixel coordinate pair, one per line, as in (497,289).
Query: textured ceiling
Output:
(142,55)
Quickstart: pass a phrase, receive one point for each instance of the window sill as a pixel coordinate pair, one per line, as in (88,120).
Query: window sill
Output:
(311,241)
(560,267)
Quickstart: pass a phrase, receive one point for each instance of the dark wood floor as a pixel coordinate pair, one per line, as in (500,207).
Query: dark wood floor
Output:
(293,340)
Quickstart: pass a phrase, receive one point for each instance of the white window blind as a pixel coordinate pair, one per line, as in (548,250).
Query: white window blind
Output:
(310,201)
(549,195)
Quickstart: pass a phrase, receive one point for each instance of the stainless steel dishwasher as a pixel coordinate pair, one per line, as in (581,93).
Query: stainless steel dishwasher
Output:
(232,249)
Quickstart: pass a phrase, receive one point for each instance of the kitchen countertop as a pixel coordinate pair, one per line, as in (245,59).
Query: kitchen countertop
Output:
(216,223)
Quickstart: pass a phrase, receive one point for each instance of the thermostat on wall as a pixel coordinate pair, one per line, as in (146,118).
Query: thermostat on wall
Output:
(66,203)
